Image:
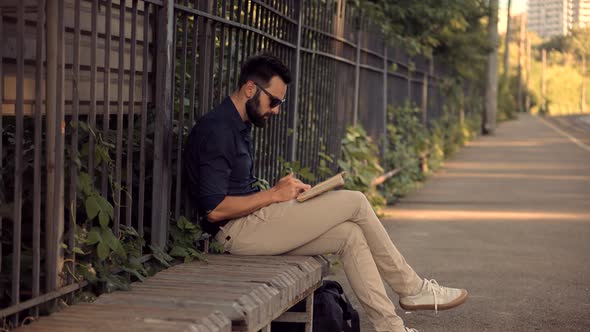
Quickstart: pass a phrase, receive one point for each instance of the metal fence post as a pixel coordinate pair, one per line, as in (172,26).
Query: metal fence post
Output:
(205,58)
(162,165)
(357,76)
(424,97)
(54,199)
(292,146)
(385,71)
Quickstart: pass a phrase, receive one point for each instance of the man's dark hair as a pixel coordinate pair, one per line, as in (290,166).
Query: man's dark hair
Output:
(261,68)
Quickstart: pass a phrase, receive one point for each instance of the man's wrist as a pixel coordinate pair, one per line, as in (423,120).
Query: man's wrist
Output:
(270,196)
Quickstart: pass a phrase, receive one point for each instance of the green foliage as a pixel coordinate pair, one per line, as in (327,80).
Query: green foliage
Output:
(297,169)
(453,31)
(306,173)
(111,259)
(361,162)
(416,150)
(564,57)
(261,184)
(560,98)
(507,106)
(184,236)
(100,253)
(407,140)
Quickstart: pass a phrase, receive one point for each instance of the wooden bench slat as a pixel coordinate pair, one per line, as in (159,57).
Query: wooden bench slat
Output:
(227,292)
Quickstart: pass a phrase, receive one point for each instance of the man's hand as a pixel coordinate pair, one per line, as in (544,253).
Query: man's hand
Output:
(237,206)
(288,188)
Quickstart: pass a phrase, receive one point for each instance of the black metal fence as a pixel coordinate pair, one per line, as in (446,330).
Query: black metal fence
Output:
(110,88)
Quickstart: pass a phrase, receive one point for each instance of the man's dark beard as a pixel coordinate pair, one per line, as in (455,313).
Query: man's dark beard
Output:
(253,111)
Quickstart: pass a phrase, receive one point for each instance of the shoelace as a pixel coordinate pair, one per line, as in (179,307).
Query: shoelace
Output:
(410,329)
(436,290)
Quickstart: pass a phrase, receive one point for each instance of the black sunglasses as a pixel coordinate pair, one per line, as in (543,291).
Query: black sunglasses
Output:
(274,101)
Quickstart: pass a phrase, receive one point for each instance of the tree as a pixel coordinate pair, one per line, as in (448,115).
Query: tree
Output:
(507,42)
(492,72)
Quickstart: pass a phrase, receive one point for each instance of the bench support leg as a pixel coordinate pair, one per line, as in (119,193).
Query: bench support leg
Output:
(299,317)
(309,312)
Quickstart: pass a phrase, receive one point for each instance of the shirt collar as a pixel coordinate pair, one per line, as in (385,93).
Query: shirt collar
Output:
(234,115)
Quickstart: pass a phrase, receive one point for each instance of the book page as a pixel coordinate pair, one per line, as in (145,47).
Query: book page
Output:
(322,187)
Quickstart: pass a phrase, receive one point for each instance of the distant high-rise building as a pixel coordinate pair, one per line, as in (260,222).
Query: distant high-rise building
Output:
(581,16)
(557,17)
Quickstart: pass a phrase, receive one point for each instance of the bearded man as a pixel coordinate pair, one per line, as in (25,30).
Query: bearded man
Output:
(247,221)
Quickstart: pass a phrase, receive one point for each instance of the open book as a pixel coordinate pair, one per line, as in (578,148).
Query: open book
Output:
(320,188)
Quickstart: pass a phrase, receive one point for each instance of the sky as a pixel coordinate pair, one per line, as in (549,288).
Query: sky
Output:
(517,6)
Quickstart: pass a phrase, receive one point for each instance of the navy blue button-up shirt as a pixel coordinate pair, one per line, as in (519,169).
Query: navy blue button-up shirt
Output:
(218,160)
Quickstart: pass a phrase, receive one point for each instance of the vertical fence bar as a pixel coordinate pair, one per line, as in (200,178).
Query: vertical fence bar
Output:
(161,169)
(222,27)
(144,113)
(58,204)
(18,163)
(74,139)
(211,49)
(120,108)
(357,74)
(205,70)
(169,135)
(543,85)
(250,12)
(37,154)
(193,84)
(1,103)
(384,109)
(293,114)
(424,106)
(107,87)
(54,224)
(240,42)
(131,117)
(93,87)
(230,32)
(181,108)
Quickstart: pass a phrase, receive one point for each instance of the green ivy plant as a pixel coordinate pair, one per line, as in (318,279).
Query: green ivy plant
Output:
(184,236)
(360,161)
(407,141)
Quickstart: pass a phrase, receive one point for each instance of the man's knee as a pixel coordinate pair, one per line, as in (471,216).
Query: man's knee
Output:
(355,198)
(356,237)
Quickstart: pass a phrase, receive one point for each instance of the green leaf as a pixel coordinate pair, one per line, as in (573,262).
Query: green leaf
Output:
(84,183)
(161,256)
(105,206)
(129,230)
(178,251)
(79,251)
(63,246)
(102,250)
(83,125)
(94,236)
(103,219)
(112,242)
(92,207)
(216,247)
(185,224)
(133,272)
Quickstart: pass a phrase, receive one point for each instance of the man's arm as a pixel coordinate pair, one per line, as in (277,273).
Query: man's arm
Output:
(238,206)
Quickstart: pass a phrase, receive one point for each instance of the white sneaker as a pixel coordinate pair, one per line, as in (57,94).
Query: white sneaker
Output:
(432,296)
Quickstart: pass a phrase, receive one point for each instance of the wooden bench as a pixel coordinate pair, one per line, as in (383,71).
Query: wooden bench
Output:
(226,293)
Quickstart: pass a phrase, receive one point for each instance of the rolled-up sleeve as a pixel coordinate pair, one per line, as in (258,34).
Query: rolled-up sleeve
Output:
(216,155)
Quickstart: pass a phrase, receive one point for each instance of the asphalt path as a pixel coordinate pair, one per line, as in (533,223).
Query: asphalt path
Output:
(507,218)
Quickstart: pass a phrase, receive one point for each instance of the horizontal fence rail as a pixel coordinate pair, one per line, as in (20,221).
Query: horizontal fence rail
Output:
(98,96)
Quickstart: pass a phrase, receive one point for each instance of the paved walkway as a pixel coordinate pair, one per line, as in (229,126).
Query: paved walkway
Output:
(508,218)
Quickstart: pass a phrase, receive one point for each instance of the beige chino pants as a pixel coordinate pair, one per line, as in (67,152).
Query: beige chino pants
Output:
(340,222)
